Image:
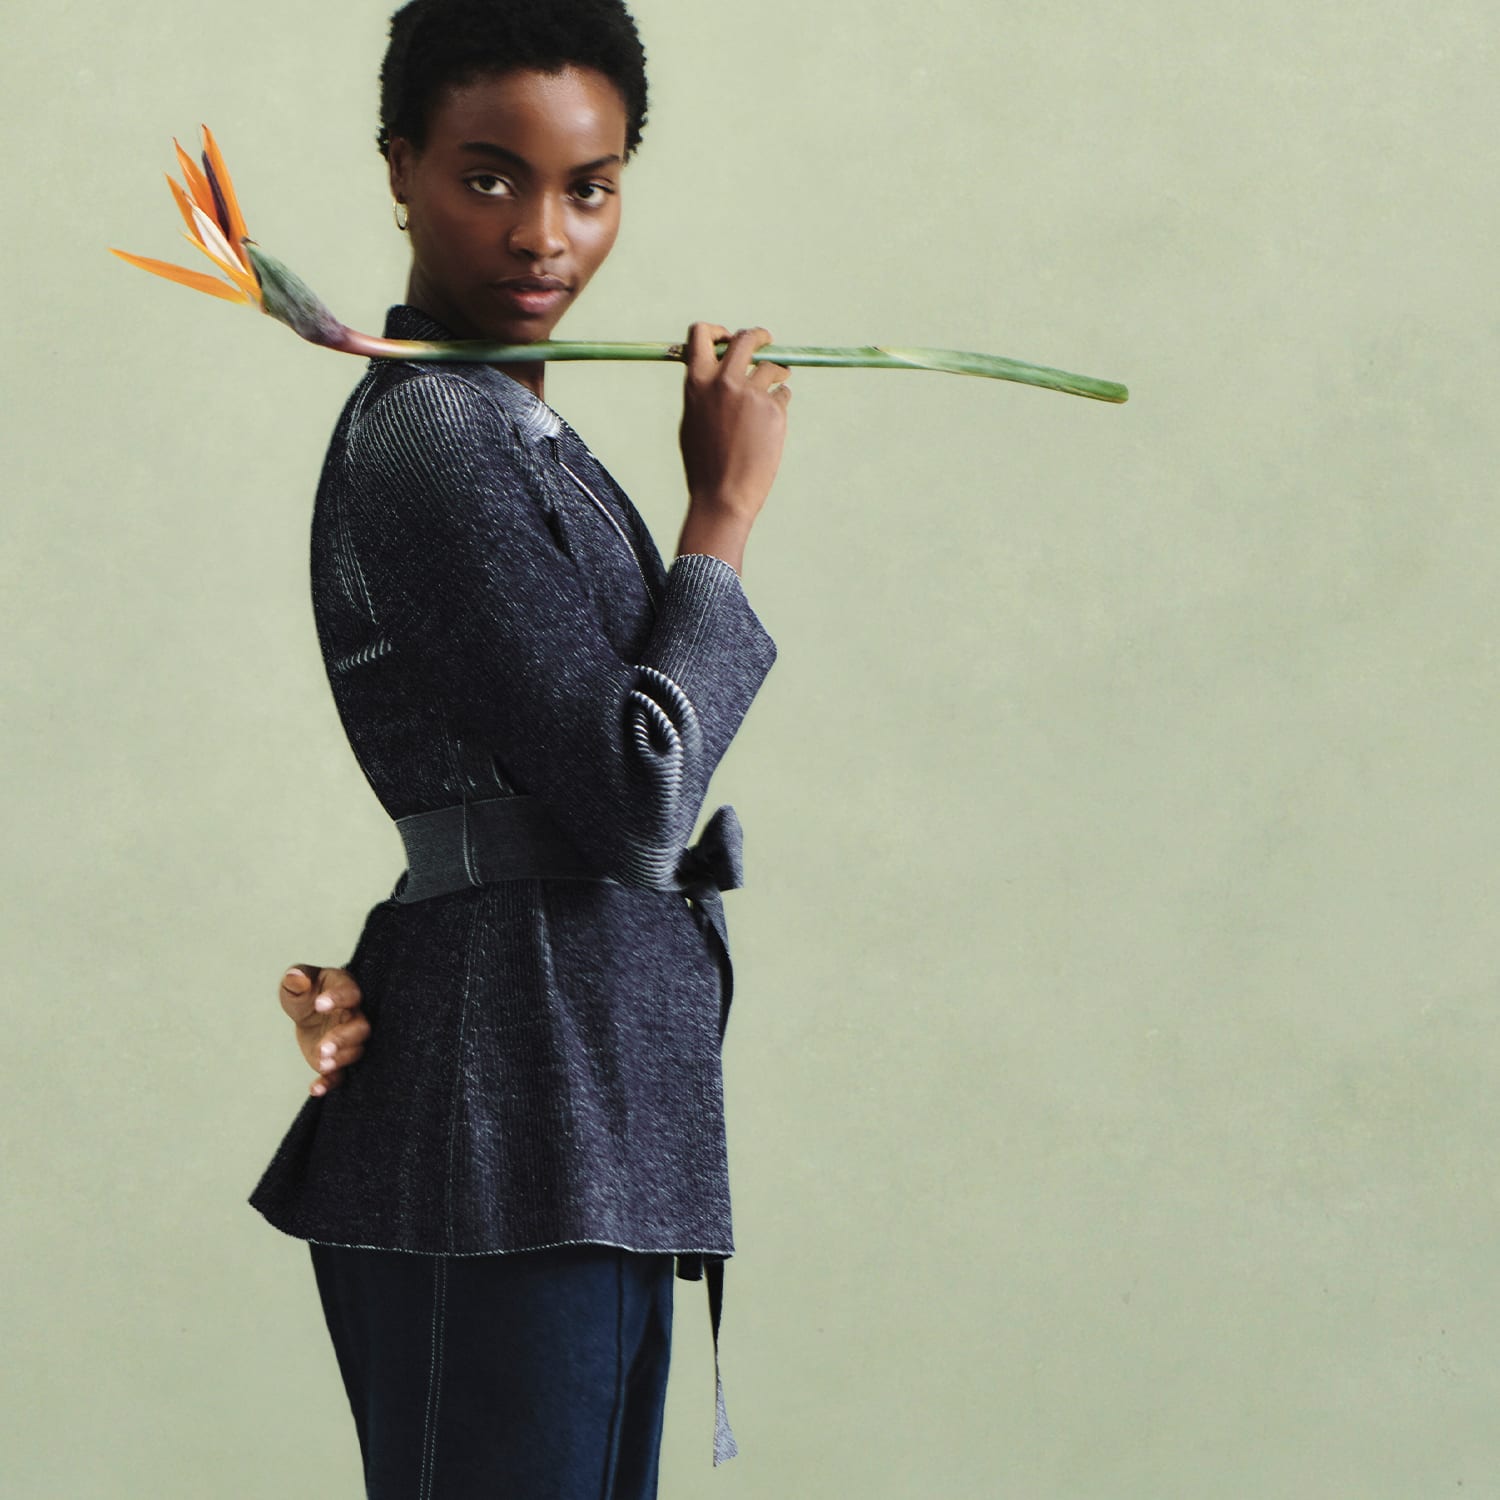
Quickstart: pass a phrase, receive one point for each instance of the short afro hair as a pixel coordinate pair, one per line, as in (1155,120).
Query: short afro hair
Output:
(438,43)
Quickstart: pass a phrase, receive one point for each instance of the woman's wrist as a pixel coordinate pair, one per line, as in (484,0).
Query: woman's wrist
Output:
(719,534)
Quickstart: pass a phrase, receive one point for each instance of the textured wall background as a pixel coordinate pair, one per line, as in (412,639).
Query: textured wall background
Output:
(1112,1073)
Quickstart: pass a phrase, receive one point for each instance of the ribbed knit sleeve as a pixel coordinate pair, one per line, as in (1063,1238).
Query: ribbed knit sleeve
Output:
(470,582)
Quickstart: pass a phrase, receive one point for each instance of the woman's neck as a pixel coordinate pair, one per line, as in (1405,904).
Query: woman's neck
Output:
(532,374)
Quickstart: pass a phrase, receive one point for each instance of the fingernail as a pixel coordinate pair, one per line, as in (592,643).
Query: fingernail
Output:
(327,1049)
(325,1063)
(323,1002)
(320,1088)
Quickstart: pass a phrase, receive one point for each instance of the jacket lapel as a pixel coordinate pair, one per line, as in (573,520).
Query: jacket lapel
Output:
(537,419)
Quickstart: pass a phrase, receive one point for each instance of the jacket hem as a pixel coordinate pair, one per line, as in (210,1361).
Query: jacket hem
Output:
(714,1252)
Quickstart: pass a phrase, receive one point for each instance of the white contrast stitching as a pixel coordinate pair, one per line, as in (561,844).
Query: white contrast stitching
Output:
(366,654)
(434,1380)
(609,516)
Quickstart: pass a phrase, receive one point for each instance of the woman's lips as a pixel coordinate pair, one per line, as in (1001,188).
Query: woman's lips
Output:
(532,301)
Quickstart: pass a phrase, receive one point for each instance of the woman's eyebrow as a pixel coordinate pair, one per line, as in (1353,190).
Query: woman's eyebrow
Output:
(489,148)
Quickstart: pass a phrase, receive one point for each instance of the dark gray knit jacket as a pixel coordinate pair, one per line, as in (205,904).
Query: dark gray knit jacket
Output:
(543,1064)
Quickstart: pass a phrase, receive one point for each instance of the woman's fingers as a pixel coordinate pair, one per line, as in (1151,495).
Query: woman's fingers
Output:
(310,994)
(343,1044)
(768,374)
(341,1048)
(346,1052)
(731,435)
(745,342)
(352,1033)
(297,991)
(337,990)
(701,359)
(704,363)
(331,1028)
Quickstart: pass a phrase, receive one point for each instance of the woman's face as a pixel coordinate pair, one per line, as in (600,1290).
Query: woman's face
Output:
(520,178)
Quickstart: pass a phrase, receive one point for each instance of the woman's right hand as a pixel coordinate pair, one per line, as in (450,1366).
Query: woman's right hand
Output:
(733,423)
(331,1028)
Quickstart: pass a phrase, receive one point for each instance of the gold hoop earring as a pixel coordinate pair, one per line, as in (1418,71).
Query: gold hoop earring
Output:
(402,219)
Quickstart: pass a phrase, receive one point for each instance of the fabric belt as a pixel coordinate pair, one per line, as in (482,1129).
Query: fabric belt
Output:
(516,838)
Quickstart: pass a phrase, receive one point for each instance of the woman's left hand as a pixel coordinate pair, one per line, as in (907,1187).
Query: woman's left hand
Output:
(331,1028)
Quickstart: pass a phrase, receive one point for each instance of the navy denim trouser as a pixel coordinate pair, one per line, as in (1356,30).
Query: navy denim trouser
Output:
(535,1374)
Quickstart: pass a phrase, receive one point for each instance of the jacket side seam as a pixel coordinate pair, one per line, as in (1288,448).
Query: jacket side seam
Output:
(463,1026)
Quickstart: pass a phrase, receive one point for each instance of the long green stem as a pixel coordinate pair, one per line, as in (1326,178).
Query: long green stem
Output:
(286,297)
(868,356)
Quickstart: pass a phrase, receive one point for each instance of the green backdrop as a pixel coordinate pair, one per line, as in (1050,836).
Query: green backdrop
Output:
(1112,1077)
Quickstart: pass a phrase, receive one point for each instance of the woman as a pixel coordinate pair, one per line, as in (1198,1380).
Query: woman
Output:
(495,1195)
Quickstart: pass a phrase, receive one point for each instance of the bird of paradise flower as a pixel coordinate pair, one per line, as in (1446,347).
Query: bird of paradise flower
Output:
(206,199)
(215,226)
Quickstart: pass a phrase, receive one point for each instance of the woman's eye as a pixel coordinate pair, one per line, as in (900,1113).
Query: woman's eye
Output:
(599,190)
(474,182)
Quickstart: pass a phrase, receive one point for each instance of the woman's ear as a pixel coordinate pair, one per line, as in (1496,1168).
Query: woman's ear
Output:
(398,157)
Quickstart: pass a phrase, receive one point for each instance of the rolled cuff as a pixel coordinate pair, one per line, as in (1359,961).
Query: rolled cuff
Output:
(712,643)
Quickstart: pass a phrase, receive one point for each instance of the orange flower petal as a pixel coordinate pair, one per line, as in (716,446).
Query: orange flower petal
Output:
(196,182)
(234,231)
(180,198)
(243,279)
(195,279)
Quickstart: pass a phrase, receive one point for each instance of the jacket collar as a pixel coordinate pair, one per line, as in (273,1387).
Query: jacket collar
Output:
(532,415)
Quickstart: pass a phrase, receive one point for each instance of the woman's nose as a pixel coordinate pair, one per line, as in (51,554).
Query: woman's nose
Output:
(539,230)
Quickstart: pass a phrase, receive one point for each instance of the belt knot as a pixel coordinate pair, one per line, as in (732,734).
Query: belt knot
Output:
(716,861)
